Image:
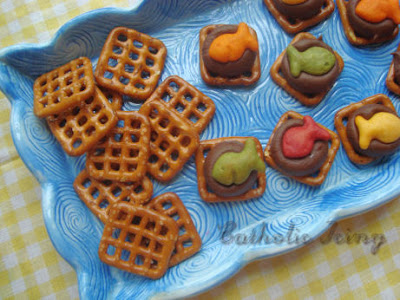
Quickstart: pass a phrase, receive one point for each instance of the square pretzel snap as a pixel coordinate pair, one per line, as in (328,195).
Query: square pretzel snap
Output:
(63,88)
(207,194)
(138,240)
(130,63)
(122,155)
(277,76)
(322,173)
(343,115)
(391,83)
(100,195)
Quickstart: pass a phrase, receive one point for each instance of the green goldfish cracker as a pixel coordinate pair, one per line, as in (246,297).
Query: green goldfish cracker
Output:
(314,61)
(235,167)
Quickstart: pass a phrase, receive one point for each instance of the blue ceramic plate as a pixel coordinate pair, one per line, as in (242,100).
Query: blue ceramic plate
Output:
(75,232)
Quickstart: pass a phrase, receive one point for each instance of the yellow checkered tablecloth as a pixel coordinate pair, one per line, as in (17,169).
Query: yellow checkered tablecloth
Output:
(30,268)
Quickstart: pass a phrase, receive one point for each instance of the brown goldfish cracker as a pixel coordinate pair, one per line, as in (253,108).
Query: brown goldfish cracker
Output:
(295,26)
(186,100)
(244,79)
(189,241)
(349,31)
(208,196)
(282,82)
(79,129)
(138,240)
(323,171)
(123,154)
(391,84)
(100,195)
(63,88)
(172,140)
(130,63)
(114,98)
(343,115)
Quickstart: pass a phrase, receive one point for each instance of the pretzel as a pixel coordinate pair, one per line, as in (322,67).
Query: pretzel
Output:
(342,116)
(130,63)
(114,98)
(138,240)
(189,241)
(172,140)
(209,196)
(99,196)
(391,84)
(123,154)
(282,82)
(219,80)
(79,129)
(351,35)
(295,26)
(186,100)
(323,172)
(63,88)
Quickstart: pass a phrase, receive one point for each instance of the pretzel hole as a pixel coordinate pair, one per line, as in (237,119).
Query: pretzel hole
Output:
(166,97)
(82,121)
(81,75)
(108,75)
(175,216)
(123,80)
(136,124)
(150,225)
(164,123)
(138,189)
(166,205)
(185,141)
(116,232)
(149,62)
(175,155)
(153,264)
(99,151)
(175,132)
(125,254)
(90,130)
(129,68)
(188,97)
(205,152)
(89,100)
(164,230)
(117,137)
(174,86)
(115,166)
(135,138)
(145,242)
(182,230)
(75,111)
(69,81)
(62,123)
(136,220)
(122,38)
(56,88)
(107,182)
(193,118)
(44,94)
(112,62)
(153,159)
(117,49)
(103,119)
(77,143)
(104,204)
(139,86)
(158,248)
(111,250)
(153,114)
(133,55)
(116,191)
(132,167)
(133,152)
(187,243)
(56,100)
(95,193)
(179,107)
(83,87)
(153,50)
(153,136)
(145,75)
(137,44)
(116,152)
(55,75)
(122,216)
(99,166)
(201,107)
(68,132)
(164,167)
(43,82)
(164,145)
(86,183)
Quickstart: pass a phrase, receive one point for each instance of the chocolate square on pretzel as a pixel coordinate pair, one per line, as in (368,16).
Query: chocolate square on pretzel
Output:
(361,32)
(349,133)
(253,186)
(309,89)
(297,15)
(130,63)
(63,88)
(393,77)
(172,140)
(189,241)
(183,98)
(244,71)
(100,195)
(80,128)
(122,155)
(138,240)
(310,167)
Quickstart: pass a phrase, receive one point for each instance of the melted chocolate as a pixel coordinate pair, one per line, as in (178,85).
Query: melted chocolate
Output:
(366,29)
(302,11)
(306,83)
(376,148)
(396,64)
(304,166)
(221,189)
(229,69)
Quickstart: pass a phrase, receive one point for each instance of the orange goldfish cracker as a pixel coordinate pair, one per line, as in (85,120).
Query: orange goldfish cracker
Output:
(376,11)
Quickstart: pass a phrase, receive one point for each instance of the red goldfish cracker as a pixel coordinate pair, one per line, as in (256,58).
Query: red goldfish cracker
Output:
(323,171)
(231,46)
(208,196)
(282,82)
(345,113)
(299,25)
(244,79)
(390,81)
(376,11)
